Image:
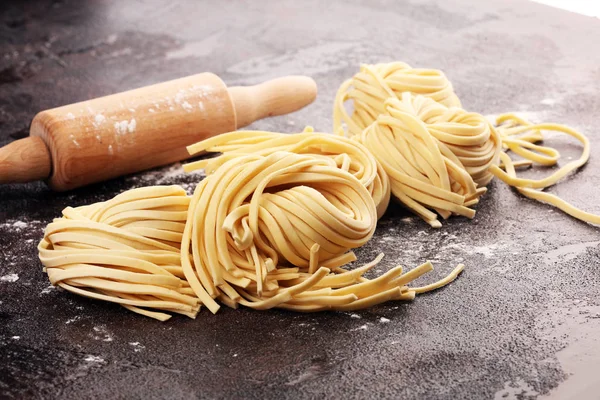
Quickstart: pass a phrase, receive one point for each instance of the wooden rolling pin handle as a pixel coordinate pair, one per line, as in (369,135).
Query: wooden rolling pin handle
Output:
(275,97)
(25,160)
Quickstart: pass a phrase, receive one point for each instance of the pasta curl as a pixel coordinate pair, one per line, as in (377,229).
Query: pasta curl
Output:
(521,137)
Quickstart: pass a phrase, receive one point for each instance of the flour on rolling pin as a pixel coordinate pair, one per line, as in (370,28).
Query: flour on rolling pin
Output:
(120,134)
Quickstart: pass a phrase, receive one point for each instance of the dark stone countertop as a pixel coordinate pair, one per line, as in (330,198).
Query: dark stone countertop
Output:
(521,322)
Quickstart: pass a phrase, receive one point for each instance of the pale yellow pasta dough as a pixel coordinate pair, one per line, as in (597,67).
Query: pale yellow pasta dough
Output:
(348,155)
(417,142)
(125,250)
(374,84)
(520,136)
(274,228)
(262,230)
(426,144)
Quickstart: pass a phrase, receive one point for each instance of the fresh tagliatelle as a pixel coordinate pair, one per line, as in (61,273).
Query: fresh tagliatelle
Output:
(427,146)
(416,142)
(276,230)
(348,155)
(520,136)
(374,84)
(266,228)
(125,251)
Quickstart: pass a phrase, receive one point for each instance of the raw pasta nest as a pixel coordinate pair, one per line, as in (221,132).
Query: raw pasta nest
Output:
(125,251)
(434,156)
(374,84)
(385,108)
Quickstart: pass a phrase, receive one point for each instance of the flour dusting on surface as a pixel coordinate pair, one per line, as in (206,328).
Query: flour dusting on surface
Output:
(19,224)
(167,175)
(74,319)
(137,347)
(48,289)
(94,359)
(101,333)
(11,278)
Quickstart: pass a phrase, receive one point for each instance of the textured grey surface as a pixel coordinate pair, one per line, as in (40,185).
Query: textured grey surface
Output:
(521,322)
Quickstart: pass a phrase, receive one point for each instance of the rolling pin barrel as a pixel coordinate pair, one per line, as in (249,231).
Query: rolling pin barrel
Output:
(99,139)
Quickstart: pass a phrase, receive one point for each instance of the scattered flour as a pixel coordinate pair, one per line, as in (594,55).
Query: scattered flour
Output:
(355,316)
(70,116)
(74,141)
(384,320)
(95,359)
(16,337)
(179,97)
(186,106)
(361,328)
(488,251)
(137,347)
(48,289)
(125,126)
(101,333)
(548,102)
(99,119)
(20,224)
(131,126)
(164,175)
(74,319)
(9,278)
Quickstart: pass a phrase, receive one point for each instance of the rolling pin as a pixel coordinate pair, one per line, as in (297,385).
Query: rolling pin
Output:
(99,139)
